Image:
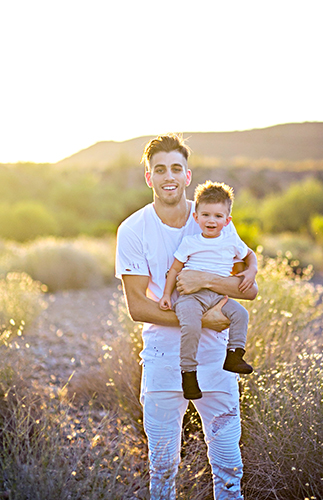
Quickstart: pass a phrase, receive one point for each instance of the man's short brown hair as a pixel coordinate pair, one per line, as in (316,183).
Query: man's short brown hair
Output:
(166,143)
(214,192)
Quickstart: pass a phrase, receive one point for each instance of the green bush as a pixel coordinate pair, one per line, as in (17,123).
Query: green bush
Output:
(317,227)
(301,249)
(285,316)
(293,209)
(246,209)
(249,233)
(6,221)
(30,219)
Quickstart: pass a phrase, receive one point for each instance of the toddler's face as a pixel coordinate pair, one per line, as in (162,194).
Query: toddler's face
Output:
(212,217)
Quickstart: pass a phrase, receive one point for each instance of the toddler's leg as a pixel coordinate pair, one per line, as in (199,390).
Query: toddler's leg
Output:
(238,316)
(189,312)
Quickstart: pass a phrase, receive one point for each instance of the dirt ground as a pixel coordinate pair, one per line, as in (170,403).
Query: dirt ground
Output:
(67,336)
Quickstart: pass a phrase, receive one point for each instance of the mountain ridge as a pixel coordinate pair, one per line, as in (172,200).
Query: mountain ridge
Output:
(290,141)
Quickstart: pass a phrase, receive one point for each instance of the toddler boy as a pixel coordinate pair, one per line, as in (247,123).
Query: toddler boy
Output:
(211,251)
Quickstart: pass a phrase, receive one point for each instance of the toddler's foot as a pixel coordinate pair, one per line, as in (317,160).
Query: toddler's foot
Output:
(235,363)
(190,386)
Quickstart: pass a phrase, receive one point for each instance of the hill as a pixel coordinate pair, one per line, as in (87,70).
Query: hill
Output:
(290,142)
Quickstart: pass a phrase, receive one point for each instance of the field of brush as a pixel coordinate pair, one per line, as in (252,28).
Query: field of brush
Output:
(70,421)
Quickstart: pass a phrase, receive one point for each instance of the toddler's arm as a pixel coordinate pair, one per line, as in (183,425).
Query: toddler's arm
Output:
(249,273)
(165,301)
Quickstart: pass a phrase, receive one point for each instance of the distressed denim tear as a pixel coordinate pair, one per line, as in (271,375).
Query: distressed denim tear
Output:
(219,422)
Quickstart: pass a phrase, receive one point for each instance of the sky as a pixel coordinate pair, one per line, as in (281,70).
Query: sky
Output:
(76,72)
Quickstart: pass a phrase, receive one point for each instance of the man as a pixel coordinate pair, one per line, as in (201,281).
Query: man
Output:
(146,243)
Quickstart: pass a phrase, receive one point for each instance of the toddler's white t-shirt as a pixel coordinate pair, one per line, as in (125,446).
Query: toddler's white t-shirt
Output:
(215,255)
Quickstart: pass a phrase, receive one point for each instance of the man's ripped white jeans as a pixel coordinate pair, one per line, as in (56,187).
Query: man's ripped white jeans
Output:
(163,418)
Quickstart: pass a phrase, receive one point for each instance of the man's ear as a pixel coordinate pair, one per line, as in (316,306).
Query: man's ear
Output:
(148,179)
(188,177)
(229,219)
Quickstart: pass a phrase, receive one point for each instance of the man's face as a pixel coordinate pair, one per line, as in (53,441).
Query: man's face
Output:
(168,176)
(212,217)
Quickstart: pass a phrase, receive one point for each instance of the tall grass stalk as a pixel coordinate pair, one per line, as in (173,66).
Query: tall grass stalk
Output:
(87,441)
(20,302)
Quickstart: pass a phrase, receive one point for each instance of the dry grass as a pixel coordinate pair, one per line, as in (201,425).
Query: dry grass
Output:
(20,301)
(62,264)
(86,441)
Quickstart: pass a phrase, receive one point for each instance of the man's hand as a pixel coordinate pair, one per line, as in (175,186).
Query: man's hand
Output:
(214,317)
(189,281)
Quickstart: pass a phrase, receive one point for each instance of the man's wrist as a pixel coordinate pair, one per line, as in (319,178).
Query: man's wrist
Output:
(211,280)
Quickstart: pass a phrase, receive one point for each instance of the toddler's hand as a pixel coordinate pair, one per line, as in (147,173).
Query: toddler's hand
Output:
(165,303)
(249,276)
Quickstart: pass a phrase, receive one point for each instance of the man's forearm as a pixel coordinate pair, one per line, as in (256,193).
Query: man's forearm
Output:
(150,312)
(229,286)
(140,307)
(191,281)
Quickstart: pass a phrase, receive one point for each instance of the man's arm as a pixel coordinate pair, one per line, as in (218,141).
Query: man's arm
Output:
(140,307)
(145,310)
(191,281)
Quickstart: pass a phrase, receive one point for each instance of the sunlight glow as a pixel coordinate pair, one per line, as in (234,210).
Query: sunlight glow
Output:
(75,73)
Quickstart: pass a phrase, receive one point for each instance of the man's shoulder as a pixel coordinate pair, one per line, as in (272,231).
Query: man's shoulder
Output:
(136,219)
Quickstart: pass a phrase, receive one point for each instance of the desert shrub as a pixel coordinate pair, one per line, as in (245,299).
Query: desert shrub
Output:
(317,227)
(282,413)
(59,264)
(282,400)
(88,439)
(53,450)
(249,233)
(20,302)
(6,221)
(301,249)
(62,263)
(285,315)
(30,219)
(292,210)
(101,228)
(246,208)
(77,193)
(69,223)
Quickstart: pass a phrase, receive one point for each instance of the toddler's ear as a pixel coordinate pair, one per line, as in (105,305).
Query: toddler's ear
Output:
(229,219)
(195,217)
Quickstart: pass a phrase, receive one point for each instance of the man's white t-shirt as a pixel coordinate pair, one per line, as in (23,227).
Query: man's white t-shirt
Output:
(214,255)
(146,247)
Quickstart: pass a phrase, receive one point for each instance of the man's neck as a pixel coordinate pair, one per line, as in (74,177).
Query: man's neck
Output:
(173,215)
